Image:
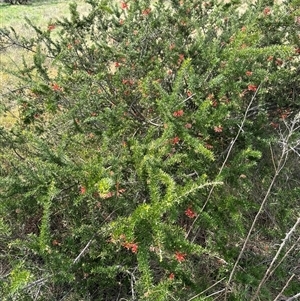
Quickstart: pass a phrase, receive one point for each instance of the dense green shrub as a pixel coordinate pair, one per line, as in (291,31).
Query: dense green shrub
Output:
(149,136)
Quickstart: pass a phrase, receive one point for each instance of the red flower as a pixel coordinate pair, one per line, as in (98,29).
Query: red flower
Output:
(190,213)
(180,256)
(127,82)
(56,87)
(180,59)
(175,140)
(252,88)
(249,73)
(130,246)
(124,5)
(117,64)
(146,11)
(218,129)
(82,190)
(267,11)
(134,248)
(171,276)
(178,113)
(214,103)
(208,146)
(127,245)
(51,27)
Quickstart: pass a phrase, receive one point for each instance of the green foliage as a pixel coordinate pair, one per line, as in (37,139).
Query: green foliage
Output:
(147,135)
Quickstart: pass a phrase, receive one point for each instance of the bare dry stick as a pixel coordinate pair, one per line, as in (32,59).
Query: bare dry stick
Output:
(268,272)
(132,283)
(280,165)
(285,255)
(294,297)
(215,293)
(283,289)
(83,250)
(251,228)
(206,290)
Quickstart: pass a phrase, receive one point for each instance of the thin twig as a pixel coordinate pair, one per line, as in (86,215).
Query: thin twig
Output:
(191,96)
(253,224)
(132,282)
(215,293)
(294,297)
(272,156)
(283,289)
(83,250)
(37,293)
(287,236)
(155,124)
(36,282)
(207,289)
(282,259)
(280,165)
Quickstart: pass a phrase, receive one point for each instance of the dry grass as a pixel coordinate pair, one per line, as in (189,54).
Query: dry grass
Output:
(41,14)
(8,119)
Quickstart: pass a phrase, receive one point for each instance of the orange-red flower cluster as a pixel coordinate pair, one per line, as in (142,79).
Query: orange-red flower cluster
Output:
(180,256)
(267,11)
(127,82)
(218,129)
(190,213)
(56,87)
(82,190)
(51,27)
(189,93)
(175,140)
(252,88)
(146,11)
(178,113)
(124,5)
(133,247)
(180,59)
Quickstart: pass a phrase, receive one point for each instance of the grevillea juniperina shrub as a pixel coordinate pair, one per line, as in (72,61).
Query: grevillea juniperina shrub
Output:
(156,154)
